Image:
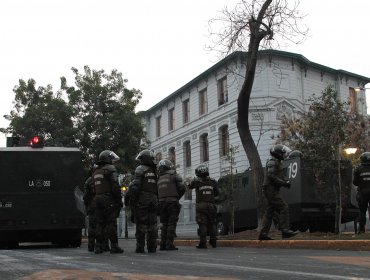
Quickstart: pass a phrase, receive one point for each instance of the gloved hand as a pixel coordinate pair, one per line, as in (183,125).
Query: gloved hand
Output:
(287,184)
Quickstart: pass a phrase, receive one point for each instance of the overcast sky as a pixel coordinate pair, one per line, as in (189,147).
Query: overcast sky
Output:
(158,45)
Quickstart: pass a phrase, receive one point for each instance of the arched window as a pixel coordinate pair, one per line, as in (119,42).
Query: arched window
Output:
(204,148)
(158,156)
(224,140)
(172,155)
(187,154)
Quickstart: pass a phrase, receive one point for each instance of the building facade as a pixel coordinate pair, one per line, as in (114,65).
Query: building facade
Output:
(198,122)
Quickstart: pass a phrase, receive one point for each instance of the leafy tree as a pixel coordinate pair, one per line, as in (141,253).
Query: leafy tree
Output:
(250,24)
(357,136)
(104,115)
(99,114)
(39,111)
(321,134)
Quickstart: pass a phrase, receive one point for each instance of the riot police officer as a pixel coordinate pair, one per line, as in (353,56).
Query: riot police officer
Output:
(88,198)
(108,201)
(144,200)
(89,194)
(170,189)
(361,179)
(206,191)
(273,181)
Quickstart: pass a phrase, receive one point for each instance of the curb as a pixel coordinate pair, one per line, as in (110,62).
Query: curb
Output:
(350,245)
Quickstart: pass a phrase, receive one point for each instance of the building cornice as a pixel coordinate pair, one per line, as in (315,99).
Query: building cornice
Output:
(262,53)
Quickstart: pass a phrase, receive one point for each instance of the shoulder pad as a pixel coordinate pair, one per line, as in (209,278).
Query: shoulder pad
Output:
(109,167)
(141,169)
(271,163)
(212,180)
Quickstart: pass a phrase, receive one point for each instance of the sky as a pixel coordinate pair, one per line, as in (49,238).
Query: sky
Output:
(158,46)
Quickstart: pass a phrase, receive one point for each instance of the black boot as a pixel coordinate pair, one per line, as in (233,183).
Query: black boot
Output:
(152,249)
(171,247)
(162,246)
(361,230)
(105,246)
(116,249)
(213,242)
(264,237)
(287,233)
(139,249)
(201,245)
(98,248)
(91,247)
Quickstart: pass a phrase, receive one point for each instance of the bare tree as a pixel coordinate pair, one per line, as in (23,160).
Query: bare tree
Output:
(250,25)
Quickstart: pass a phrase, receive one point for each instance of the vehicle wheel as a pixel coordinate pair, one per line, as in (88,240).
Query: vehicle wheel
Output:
(303,227)
(221,228)
(313,227)
(75,243)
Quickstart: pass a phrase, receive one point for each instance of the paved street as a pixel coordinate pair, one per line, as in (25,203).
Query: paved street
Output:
(46,262)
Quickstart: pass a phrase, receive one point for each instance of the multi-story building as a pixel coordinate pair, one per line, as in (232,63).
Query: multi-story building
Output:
(197,123)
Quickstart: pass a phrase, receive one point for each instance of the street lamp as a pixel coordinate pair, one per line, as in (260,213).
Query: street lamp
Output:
(350,151)
(357,89)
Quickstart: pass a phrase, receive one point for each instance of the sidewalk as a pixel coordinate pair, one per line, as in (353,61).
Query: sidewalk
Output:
(187,236)
(351,245)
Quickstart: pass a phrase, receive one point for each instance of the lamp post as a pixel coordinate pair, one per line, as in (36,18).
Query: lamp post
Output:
(350,152)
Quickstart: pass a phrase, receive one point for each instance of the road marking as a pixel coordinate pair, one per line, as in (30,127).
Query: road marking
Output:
(64,274)
(359,261)
(234,268)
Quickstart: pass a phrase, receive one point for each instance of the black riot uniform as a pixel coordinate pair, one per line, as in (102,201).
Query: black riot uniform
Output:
(89,194)
(170,189)
(361,179)
(144,201)
(88,198)
(206,191)
(108,201)
(273,181)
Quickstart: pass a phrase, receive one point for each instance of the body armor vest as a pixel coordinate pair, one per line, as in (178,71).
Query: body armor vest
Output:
(102,185)
(150,182)
(167,186)
(205,191)
(273,168)
(364,178)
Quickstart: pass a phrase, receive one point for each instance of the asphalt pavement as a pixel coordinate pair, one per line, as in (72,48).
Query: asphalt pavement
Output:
(187,236)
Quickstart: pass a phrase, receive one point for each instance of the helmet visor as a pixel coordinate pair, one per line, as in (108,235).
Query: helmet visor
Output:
(286,151)
(114,157)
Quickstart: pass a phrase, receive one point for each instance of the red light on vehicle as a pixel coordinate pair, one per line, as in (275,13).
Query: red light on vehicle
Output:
(36,142)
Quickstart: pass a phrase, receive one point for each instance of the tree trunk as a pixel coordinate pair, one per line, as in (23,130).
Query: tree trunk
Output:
(250,148)
(244,130)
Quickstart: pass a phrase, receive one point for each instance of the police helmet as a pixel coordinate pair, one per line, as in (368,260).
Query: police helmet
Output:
(108,156)
(365,158)
(202,171)
(146,157)
(295,154)
(280,151)
(164,165)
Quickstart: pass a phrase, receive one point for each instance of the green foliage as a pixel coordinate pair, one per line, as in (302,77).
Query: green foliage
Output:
(321,134)
(38,111)
(99,114)
(104,113)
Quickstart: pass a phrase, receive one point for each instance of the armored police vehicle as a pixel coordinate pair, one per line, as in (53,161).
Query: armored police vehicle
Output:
(37,200)
(311,205)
